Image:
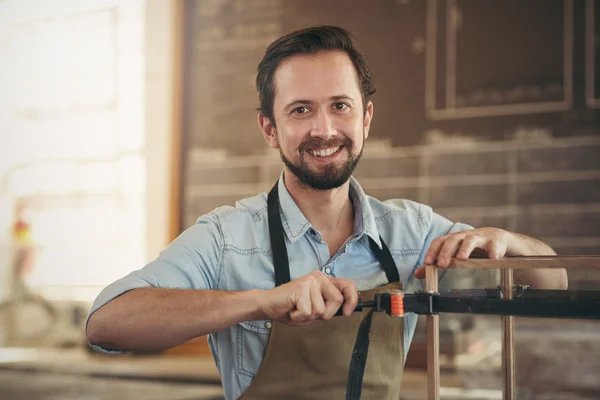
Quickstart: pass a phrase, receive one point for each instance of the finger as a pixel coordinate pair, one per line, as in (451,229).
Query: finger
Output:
(303,305)
(448,250)
(434,249)
(317,302)
(350,293)
(288,321)
(469,244)
(420,272)
(333,298)
(494,250)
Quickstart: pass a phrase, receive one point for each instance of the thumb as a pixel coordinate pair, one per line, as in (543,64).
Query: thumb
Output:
(420,272)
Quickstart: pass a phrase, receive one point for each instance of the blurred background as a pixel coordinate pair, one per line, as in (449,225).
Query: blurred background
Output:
(122,121)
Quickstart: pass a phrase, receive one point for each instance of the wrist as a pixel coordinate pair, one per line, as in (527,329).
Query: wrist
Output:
(256,299)
(521,245)
(514,246)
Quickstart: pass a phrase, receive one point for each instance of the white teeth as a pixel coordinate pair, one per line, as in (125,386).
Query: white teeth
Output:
(324,152)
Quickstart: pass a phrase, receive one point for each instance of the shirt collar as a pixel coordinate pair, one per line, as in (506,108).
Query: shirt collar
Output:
(295,224)
(363,213)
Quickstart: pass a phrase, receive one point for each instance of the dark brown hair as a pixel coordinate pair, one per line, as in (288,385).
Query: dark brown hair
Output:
(309,41)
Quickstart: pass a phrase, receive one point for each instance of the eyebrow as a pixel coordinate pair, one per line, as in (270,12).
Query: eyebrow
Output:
(308,102)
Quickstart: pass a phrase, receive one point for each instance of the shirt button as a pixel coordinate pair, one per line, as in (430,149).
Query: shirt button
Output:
(268,324)
(327,270)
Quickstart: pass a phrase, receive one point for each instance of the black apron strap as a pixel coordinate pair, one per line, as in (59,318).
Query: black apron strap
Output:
(385,259)
(282,275)
(359,359)
(276,233)
(358,362)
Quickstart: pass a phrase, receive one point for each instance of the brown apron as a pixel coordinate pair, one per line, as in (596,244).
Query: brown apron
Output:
(313,361)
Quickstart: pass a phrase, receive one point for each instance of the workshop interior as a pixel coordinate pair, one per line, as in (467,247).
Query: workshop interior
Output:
(123,121)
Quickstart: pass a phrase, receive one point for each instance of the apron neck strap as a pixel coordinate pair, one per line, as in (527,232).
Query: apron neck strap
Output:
(280,255)
(385,259)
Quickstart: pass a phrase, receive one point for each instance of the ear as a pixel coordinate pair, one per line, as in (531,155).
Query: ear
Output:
(368,118)
(268,130)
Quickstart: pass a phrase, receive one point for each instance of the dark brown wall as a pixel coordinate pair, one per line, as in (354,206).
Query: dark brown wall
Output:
(533,172)
(507,52)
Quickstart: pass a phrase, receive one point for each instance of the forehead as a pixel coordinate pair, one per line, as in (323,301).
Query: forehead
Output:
(315,77)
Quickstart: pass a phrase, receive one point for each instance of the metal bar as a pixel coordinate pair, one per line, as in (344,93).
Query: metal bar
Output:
(508,339)
(569,262)
(433,339)
(584,308)
(557,294)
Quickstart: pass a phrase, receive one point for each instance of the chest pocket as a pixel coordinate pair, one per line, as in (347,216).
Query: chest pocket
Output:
(252,339)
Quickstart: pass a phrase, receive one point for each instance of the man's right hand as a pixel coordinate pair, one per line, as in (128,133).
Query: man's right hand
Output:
(311,297)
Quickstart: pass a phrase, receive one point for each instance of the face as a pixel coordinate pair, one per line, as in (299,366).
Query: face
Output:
(320,122)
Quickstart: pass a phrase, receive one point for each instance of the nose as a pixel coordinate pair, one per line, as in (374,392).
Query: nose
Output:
(323,126)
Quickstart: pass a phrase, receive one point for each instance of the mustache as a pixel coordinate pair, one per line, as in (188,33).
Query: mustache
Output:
(312,144)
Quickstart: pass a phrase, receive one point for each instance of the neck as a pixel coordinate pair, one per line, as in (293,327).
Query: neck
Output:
(327,210)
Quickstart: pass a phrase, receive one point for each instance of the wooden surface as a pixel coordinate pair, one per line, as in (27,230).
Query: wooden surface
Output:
(508,339)
(567,262)
(177,121)
(197,346)
(41,385)
(80,362)
(433,339)
(153,372)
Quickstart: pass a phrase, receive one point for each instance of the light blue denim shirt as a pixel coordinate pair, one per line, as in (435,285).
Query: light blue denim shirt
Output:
(229,249)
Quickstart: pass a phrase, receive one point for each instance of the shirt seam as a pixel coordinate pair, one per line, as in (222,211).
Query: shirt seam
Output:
(225,213)
(234,210)
(294,234)
(257,214)
(406,252)
(385,216)
(253,250)
(315,248)
(221,248)
(401,253)
(255,327)
(421,219)
(240,343)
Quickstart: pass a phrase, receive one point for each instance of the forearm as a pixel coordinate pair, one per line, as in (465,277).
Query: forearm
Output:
(155,319)
(521,245)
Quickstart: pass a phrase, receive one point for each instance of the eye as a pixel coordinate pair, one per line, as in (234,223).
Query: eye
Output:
(340,106)
(300,110)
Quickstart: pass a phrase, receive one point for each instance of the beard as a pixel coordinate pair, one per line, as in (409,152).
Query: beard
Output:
(330,176)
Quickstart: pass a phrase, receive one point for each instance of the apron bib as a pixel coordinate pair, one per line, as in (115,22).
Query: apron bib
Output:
(312,361)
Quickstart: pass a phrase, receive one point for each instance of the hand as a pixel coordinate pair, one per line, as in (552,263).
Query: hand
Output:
(311,297)
(491,242)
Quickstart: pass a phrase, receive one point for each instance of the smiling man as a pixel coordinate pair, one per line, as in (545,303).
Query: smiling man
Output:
(265,278)
(323,135)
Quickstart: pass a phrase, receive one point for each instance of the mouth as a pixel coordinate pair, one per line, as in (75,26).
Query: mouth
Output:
(325,153)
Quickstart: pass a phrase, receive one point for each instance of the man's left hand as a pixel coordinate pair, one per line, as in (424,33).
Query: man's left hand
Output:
(491,242)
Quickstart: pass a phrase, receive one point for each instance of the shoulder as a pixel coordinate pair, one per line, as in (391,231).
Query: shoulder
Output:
(240,225)
(411,218)
(248,209)
(403,211)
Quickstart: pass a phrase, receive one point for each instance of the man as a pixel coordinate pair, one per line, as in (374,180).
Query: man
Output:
(265,278)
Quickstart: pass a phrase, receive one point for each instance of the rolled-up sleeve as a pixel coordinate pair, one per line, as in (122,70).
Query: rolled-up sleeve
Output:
(192,261)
